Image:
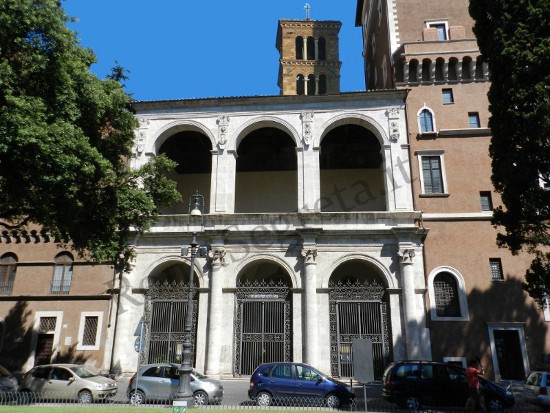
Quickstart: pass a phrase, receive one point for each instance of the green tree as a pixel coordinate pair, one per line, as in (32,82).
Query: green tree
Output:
(66,137)
(514,37)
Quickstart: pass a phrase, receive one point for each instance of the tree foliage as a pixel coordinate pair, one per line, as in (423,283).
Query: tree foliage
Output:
(66,137)
(514,37)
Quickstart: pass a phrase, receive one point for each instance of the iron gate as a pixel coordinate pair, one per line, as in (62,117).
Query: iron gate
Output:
(358,310)
(165,312)
(262,325)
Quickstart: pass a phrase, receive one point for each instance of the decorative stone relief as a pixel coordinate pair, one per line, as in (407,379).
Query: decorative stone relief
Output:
(310,255)
(217,256)
(406,255)
(307,127)
(223,127)
(141,138)
(393,119)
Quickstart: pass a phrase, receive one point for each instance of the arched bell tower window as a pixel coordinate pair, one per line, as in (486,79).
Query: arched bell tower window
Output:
(322,48)
(323,85)
(311,85)
(413,71)
(300,85)
(310,48)
(299,48)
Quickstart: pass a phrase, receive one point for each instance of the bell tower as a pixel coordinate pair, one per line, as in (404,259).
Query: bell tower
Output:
(309,62)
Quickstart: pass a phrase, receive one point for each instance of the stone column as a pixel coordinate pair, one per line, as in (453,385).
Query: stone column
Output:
(310,300)
(215,313)
(412,333)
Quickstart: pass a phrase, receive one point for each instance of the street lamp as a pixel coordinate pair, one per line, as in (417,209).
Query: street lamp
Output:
(184,392)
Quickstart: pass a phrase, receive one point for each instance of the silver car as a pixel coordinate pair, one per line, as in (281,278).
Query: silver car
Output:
(66,382)
(159,381)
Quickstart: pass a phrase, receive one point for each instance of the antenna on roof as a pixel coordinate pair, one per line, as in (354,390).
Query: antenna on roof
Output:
(307,8)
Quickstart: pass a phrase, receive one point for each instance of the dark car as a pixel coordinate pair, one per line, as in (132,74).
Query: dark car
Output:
(275,383)
(413,383)
(159,382)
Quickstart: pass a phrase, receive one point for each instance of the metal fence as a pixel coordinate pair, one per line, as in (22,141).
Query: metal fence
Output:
(374,403)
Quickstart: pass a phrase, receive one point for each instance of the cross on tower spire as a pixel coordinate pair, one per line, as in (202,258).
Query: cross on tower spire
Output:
(307,8)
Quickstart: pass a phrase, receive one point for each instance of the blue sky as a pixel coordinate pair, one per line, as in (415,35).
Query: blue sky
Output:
(178,49)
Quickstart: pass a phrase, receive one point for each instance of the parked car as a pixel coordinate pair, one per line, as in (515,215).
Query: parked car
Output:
(67,382)
(275,383)
(414,383)
(8,384)
(159,381)
(537,388)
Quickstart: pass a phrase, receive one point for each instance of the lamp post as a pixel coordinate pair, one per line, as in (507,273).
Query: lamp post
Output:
(184,392)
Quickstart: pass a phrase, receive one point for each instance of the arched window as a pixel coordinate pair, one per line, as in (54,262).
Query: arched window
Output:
(426,70)
(311,85)
(62,274)
(446,295)
(322,85)
(448,301)
(439,70)
(452,75)
(300,85)
(466,68)
(413,71)
(322,48)
(299,48)
(426,121)
(479,69)
(8,268)
(310,48)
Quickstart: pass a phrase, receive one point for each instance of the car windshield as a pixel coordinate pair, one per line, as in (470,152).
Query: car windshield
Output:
(82,372)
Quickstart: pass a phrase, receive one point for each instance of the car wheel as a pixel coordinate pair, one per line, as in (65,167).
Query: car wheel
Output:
(137,398)
(85,397)
(412,403)
(332,401)
(201,398)
(263,399)
(495,405)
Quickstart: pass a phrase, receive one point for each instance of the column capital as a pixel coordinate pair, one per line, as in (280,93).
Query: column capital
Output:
(310,255)
(406,255)
(217,256)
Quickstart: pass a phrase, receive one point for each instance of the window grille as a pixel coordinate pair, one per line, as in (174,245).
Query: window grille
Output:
(90,331)
(496,269)
(8,267)
(47,324)
(446,296)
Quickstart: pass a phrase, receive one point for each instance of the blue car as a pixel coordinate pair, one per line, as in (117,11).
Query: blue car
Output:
(296,383)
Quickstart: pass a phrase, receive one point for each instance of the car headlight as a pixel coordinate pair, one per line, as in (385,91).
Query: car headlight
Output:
(209,386)
(102,386)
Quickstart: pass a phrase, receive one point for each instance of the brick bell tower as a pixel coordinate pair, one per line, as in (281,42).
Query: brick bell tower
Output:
(309,61)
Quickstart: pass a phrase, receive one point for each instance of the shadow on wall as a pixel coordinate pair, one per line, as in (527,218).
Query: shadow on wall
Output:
(17,341)
(503,303)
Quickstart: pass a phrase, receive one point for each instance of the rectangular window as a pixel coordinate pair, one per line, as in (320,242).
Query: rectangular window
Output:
(432,175)
(486,201)
(89,332)
(496,269)
(473,119)
(442,29)
(447,95)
